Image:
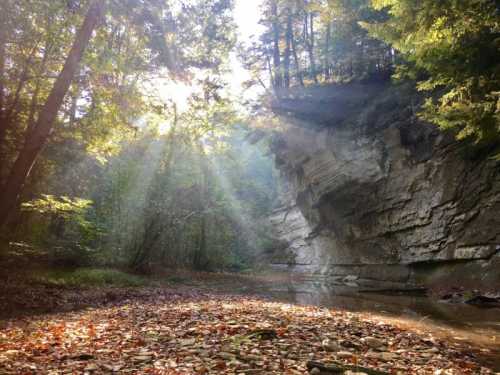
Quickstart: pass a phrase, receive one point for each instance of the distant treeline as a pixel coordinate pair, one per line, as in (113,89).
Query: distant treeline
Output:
(449,48)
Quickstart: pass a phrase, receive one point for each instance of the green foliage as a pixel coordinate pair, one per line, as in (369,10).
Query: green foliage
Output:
(64,209)
(158,187)
(452,46)
(89,277)
(63,226)
(138,42)
(189,198)
(316,41)
(106,146)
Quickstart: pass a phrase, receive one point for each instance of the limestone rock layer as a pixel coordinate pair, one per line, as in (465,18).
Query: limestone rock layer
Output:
(374,194)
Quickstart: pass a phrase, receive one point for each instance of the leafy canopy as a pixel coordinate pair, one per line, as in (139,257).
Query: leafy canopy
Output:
(453,47)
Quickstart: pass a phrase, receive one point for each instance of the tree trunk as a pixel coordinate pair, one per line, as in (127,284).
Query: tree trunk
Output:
(3,42)
(200,260)
(288,38)
(45,123)
(276,48)
(200,254)
(298,71)
(36,92)
(310,44)
(270,70)
(328,37)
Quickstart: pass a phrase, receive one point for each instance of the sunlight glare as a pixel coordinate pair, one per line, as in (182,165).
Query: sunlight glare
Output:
(246,16)
(177,92)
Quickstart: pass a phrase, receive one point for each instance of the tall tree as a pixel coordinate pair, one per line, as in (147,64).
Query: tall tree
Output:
(137,44)
(294,47)
(321,39)
(326,51)
(3,42)
(310,40)
(278,77)
(451,46)
(38,138)
(288,47)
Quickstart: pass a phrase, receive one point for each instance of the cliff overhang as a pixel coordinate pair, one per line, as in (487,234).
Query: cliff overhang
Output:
(373,193)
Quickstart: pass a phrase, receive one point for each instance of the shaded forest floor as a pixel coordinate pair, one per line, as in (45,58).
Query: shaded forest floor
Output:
(181,328)
(38,291)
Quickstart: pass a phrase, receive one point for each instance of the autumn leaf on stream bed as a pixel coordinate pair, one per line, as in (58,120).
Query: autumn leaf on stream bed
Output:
(169,333)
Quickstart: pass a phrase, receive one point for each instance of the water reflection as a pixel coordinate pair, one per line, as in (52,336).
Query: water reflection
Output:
(477,327)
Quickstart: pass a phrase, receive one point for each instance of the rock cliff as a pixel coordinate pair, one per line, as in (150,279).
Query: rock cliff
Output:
(373,194)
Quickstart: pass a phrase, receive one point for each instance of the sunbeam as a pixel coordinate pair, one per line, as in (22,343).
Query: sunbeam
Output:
(279,187)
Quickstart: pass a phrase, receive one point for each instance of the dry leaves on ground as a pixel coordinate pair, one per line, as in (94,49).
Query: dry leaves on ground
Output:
(191,333)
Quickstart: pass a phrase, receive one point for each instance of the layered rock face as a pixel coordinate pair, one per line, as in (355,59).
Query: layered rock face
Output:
(372,194)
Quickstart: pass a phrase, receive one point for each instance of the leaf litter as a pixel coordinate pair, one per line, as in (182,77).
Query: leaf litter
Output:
(164,332)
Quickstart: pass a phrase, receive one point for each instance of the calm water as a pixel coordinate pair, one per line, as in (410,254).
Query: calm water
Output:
(477,327)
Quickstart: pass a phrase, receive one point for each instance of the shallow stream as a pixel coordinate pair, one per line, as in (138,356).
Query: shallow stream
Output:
(473,326)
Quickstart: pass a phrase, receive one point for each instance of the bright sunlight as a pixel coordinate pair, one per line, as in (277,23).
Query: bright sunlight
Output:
(278,187)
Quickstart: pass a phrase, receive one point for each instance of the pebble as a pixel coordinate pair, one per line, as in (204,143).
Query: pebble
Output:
(141,358)
(225,355)
(91,367)
(330,346)
(387,356)
(373,342)
(383,356)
